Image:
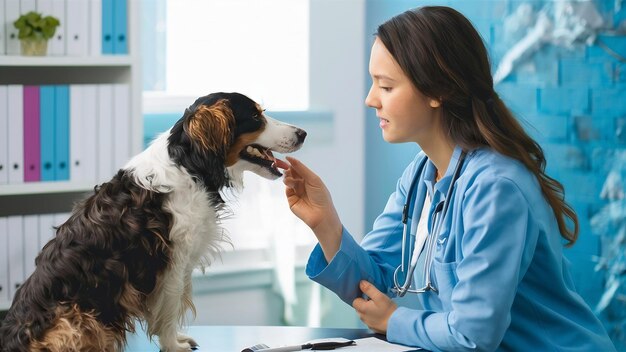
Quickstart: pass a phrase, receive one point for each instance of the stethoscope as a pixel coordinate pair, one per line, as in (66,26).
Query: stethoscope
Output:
(429,246)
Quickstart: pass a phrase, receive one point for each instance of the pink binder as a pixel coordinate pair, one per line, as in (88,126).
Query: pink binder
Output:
(32,150)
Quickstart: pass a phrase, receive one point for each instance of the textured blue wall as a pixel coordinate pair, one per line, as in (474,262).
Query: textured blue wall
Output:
(573,102)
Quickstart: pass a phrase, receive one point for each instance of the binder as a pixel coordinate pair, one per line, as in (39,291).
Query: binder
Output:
(90,133)
(83,138)
(27,6)
(16,134)
(120,27)
(4,133)
(46,229)
(3,40)
(121,124)
(31,243)
(95,27)
(62,133)
(16,253)
(44,7)
(4,259)
(77,128)
(107,27)
(105,132)
(11,14)
(57,44)
(60,219)
(32,149)
(47,133)
(77,33)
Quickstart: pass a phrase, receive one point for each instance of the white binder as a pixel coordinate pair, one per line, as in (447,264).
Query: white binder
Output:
(3,38)
(61,218)
(77,29)
(57,44)
(44,7)
(16,253)
(46,230)
(105,133)
(31,243)
(95,27)
(4,260)
(11,14)
(121,124)
(4,134)
(83,138)
(16,133)
(27,6)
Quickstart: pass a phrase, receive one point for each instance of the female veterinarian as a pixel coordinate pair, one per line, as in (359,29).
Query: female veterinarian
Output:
(485,222)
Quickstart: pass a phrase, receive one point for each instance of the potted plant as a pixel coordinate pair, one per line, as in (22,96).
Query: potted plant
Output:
(34,32)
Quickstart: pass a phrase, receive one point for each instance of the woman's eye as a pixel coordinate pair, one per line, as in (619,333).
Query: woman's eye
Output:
(386,89)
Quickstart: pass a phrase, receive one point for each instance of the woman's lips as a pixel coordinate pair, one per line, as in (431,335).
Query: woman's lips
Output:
(383,122)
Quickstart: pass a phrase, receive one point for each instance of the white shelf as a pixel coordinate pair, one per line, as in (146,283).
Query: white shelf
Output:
(52,61)
(43,188)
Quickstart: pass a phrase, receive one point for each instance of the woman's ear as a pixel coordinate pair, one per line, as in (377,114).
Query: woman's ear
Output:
(434,103)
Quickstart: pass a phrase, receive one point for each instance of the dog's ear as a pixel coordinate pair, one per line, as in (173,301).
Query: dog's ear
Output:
(209,127)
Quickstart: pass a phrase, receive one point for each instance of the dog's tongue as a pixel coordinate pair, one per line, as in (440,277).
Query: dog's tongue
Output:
(280,164)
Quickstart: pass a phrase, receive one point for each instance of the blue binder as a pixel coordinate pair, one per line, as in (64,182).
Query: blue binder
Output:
(46,116)
(62,133)
(107,26)
(120,27)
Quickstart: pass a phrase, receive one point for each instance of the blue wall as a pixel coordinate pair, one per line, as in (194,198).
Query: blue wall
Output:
(573,102)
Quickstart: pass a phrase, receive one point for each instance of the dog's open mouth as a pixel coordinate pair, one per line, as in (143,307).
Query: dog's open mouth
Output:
(262,156)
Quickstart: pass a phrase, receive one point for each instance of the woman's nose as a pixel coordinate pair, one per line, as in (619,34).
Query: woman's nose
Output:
(371,99)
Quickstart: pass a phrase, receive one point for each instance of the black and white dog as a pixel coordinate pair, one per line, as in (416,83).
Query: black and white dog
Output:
(128,251)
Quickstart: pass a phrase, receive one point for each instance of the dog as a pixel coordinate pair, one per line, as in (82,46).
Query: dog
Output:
(127,252)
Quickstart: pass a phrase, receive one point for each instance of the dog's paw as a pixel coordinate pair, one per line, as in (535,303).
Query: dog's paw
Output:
(182,338)
(180,346)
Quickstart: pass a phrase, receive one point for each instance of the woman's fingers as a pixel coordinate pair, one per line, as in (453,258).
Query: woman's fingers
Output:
(301,169)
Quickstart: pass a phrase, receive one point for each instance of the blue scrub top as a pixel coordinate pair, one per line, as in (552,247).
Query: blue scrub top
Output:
(503,282)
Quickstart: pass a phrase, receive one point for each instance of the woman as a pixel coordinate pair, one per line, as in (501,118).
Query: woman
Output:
(487,223)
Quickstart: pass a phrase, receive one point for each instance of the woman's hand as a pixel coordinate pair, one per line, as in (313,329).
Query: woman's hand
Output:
(376,311)
(310,200)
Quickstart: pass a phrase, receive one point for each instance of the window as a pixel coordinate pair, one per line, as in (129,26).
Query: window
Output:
(195,47)
(247,46)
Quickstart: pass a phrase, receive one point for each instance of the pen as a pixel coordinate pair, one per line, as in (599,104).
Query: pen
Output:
(308,346)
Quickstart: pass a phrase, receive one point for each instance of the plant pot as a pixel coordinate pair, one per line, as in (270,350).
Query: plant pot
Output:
(34,47)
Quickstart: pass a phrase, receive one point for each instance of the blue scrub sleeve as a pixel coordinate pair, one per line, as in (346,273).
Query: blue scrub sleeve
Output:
(498,231)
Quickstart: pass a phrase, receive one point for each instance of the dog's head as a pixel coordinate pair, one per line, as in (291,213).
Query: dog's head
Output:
(223,134)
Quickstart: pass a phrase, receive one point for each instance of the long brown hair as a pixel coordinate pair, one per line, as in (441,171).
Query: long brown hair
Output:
(446,59)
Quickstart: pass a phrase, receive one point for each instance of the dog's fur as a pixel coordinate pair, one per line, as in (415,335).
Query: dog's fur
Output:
(128,251)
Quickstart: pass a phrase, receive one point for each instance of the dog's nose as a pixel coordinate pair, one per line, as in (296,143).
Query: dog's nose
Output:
(301,135)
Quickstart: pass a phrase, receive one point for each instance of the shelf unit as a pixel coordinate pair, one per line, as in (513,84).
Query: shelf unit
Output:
(58,197)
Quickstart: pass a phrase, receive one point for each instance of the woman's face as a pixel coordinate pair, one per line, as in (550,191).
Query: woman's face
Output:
(405,114)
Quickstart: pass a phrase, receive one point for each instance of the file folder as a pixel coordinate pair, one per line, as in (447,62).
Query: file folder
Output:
(121,124)
(46,229)
(77,29)
(95,27)
(16,253)
(105,133)
(31,243)
(4,133)
(107,27)
(120,27)
(57,44)
(47,133)
(11,14)
(16,134)
(32,149)
(62,133)
(83,134)
(3,39)
(4,259)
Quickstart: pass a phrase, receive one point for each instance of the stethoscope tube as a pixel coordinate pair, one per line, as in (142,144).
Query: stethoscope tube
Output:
(430,240)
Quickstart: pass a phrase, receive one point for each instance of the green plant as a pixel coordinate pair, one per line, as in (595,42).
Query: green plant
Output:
(33,25)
